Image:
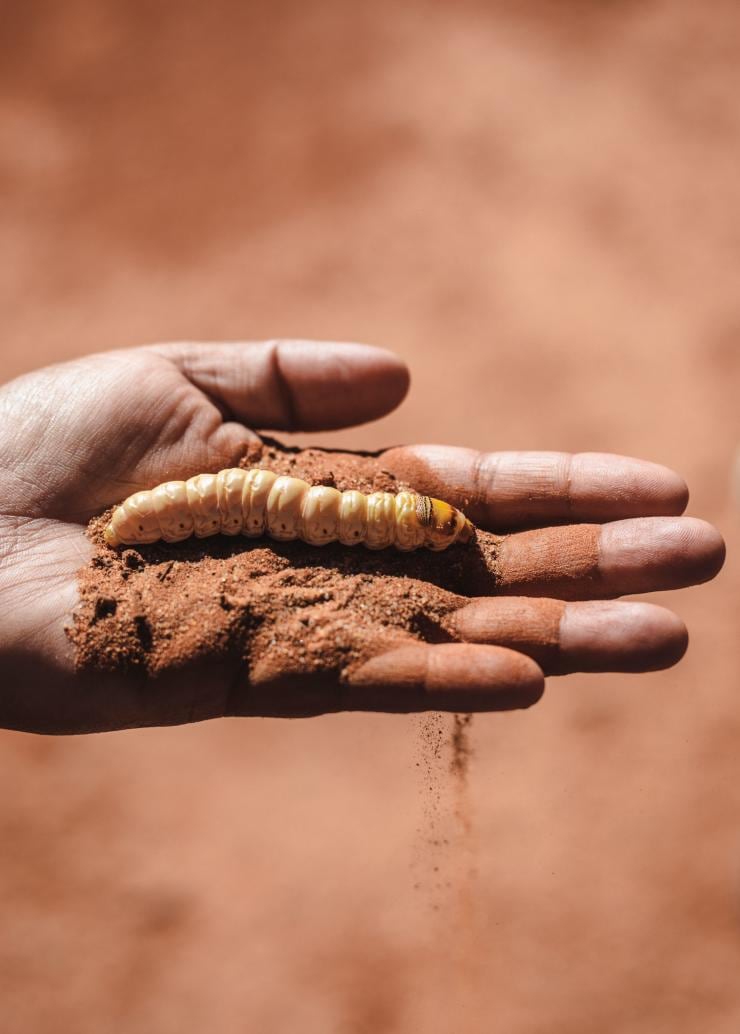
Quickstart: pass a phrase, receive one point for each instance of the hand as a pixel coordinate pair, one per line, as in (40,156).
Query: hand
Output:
(78,437)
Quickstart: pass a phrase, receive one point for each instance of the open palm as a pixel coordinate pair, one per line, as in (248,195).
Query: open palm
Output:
(78,437)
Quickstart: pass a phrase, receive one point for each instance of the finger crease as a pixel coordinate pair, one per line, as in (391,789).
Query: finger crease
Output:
(282,388)
(479,493)
(568,480)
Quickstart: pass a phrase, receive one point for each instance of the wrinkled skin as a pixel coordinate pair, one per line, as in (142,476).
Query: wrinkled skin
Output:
(78,437)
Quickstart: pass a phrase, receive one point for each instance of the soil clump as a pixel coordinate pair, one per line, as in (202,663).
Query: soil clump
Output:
(276,609)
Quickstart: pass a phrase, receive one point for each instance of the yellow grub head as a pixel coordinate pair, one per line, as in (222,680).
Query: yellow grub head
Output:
(444,523)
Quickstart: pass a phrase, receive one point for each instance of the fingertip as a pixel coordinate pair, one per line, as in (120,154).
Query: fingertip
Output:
(629,636)
(675,639)
(664,491)
(649,553)
(379,362)
(707,548)
(386,376)
(610,486)
(450,677)
(676,491)
(602,485)
(698,544)
(462,676)
(336,384)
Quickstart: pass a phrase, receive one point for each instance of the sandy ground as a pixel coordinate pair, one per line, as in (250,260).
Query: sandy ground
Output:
(552,189)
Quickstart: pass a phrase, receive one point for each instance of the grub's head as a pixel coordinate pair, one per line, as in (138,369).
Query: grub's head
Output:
(444,524)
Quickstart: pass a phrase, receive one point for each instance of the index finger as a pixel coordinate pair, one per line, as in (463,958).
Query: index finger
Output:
(502,490)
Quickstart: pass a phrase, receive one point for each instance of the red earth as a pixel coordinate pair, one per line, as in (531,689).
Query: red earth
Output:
(538,206)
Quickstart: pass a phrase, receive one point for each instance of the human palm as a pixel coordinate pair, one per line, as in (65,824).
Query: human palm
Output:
(80,436)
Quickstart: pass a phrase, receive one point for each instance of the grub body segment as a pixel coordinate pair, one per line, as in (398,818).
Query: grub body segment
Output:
(381,520)
(284,508)
(320,515)
(255,493)
(410,532)
(229,488)
(203,504)
(172,510)
(352,518)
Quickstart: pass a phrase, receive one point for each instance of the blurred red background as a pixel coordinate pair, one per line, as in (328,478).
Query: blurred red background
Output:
(538,206)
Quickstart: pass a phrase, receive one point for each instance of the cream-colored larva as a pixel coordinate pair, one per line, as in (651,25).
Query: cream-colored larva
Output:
(257,502)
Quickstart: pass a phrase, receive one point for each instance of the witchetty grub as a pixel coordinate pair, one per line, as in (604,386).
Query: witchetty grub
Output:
(257,502)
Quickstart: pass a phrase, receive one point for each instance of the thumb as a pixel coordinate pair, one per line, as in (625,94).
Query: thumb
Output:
(293,385)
